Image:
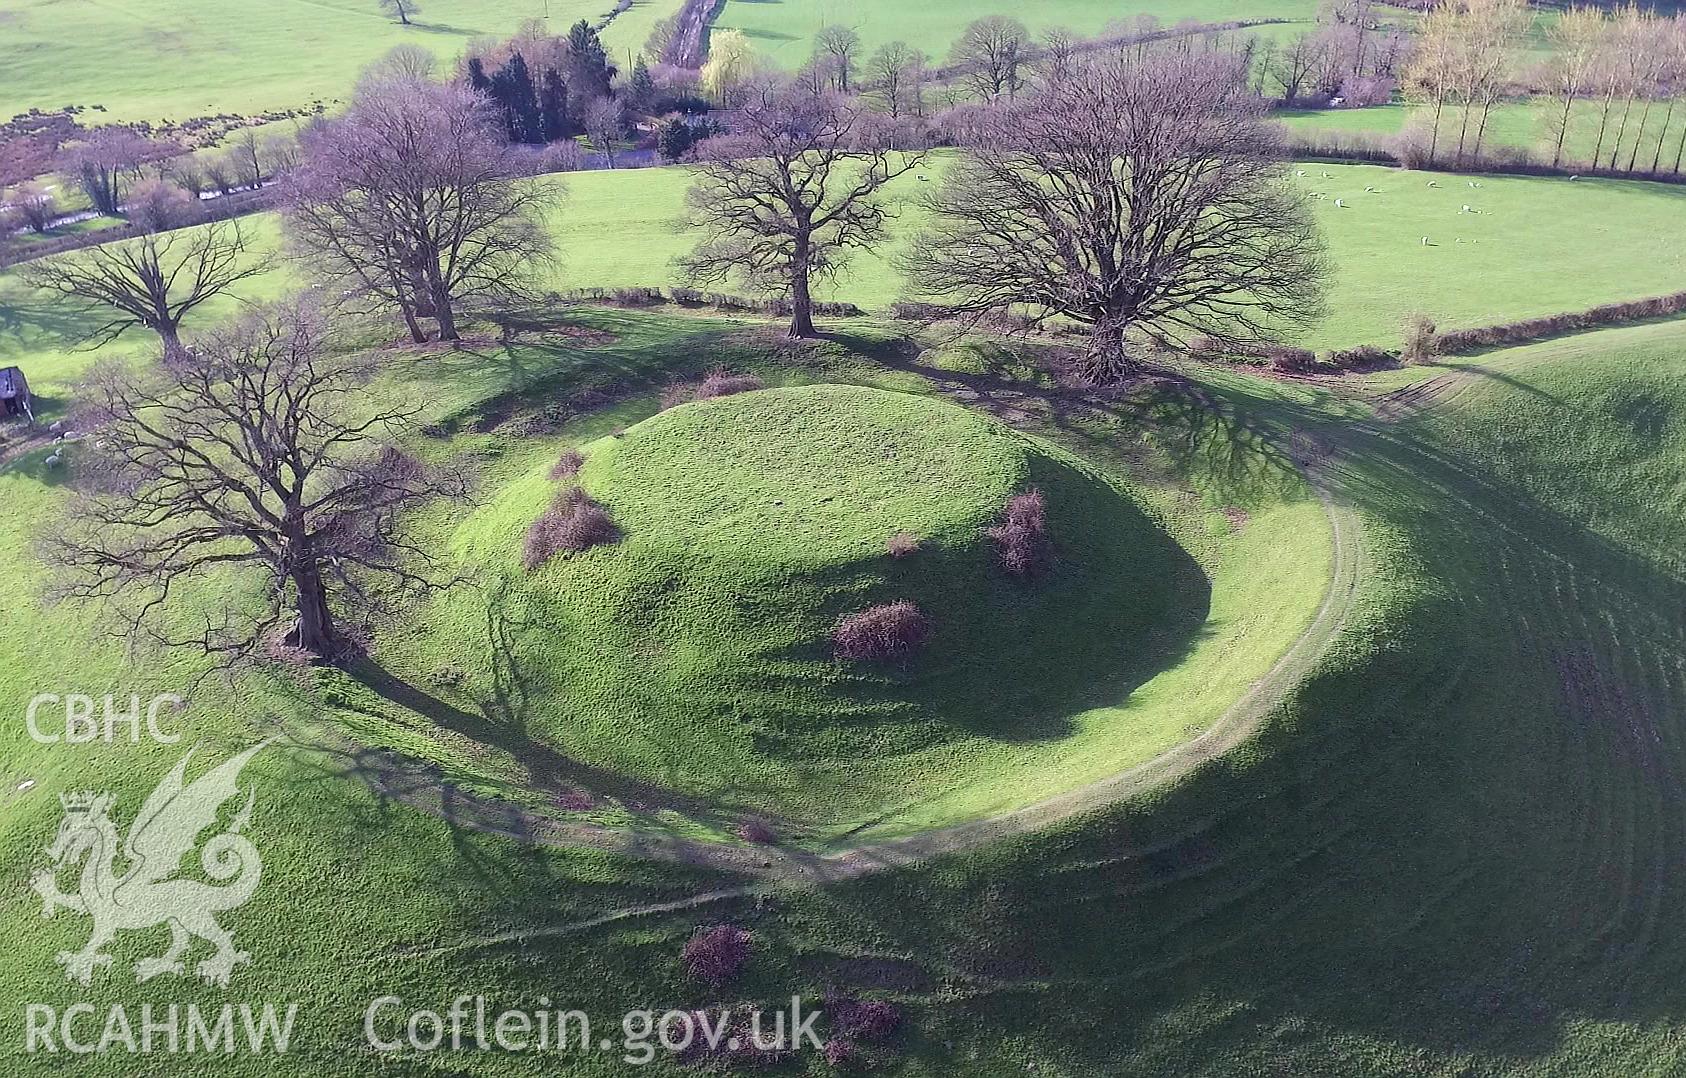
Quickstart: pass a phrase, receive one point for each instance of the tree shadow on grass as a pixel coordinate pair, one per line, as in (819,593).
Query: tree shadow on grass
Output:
(501,724)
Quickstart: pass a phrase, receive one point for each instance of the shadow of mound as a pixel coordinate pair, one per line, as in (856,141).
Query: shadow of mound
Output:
(1017,658)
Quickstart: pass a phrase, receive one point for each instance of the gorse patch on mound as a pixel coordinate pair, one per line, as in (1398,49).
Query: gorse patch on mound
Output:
(701,652)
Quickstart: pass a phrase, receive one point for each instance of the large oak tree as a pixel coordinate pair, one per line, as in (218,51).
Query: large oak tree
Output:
(255,449)
(1143,196)
(411,200)
(153,281)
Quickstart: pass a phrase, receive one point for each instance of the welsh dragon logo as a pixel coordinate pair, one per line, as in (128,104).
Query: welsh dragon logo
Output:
(149,890)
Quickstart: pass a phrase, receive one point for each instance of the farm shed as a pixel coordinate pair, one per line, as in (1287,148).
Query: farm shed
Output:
(14,394)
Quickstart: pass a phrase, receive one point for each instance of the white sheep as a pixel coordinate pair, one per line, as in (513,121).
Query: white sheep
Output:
(1434,183)
(1327,176)
(1425,241)
(1466,209)
(1574,177)
(1372,190)
(53,461)
(1299,172)
(1341,203)
(1472,183)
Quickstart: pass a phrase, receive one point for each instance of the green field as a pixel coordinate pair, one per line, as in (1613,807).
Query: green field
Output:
(155,60)
(1507,260)
(1455,849)
(1520,125)
(784,30)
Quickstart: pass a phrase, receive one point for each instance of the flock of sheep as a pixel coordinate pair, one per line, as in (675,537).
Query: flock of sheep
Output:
(1340,203)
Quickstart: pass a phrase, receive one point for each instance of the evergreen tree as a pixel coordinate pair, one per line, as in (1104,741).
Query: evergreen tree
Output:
(588,72)
(641,89)
(477,77)
(554,122)
(674,139)
(513,88)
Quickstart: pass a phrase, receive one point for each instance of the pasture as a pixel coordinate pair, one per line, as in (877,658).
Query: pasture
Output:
(1532,245)
(153,60)
(783,30)
(1505,260)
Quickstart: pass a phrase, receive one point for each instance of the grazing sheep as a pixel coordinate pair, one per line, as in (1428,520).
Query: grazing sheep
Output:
(1466,209)
(1299,172)
(1327,176)
(1372,190)
(1434,183)
(1341,203)
(53,461)
(1425,241)
(1574,177)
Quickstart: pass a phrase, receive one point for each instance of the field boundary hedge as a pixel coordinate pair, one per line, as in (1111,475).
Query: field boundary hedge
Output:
(222,208)
(1461,341)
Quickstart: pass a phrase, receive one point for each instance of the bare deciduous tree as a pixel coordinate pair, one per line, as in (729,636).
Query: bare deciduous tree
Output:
(1299,59)
(255,450)
(109,157)
(153,281)
(991,54)
(605,121)
(790,194)
(1578,38)
(401,9)
(159,205)
(35,205)
(411,200)
(1141,195)
(898,69)
(1059,51)
(837,46)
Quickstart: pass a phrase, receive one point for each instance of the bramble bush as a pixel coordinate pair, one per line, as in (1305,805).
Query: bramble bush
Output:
(567,465)
(717,954)
(886,631)
(902,545)
(573,523)
(722,383)
(1022,534)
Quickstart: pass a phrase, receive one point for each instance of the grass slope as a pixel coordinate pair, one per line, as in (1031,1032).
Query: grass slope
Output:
(155,59)
(1458,849)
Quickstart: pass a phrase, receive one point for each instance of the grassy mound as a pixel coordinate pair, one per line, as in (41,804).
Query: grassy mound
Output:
(695,652)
